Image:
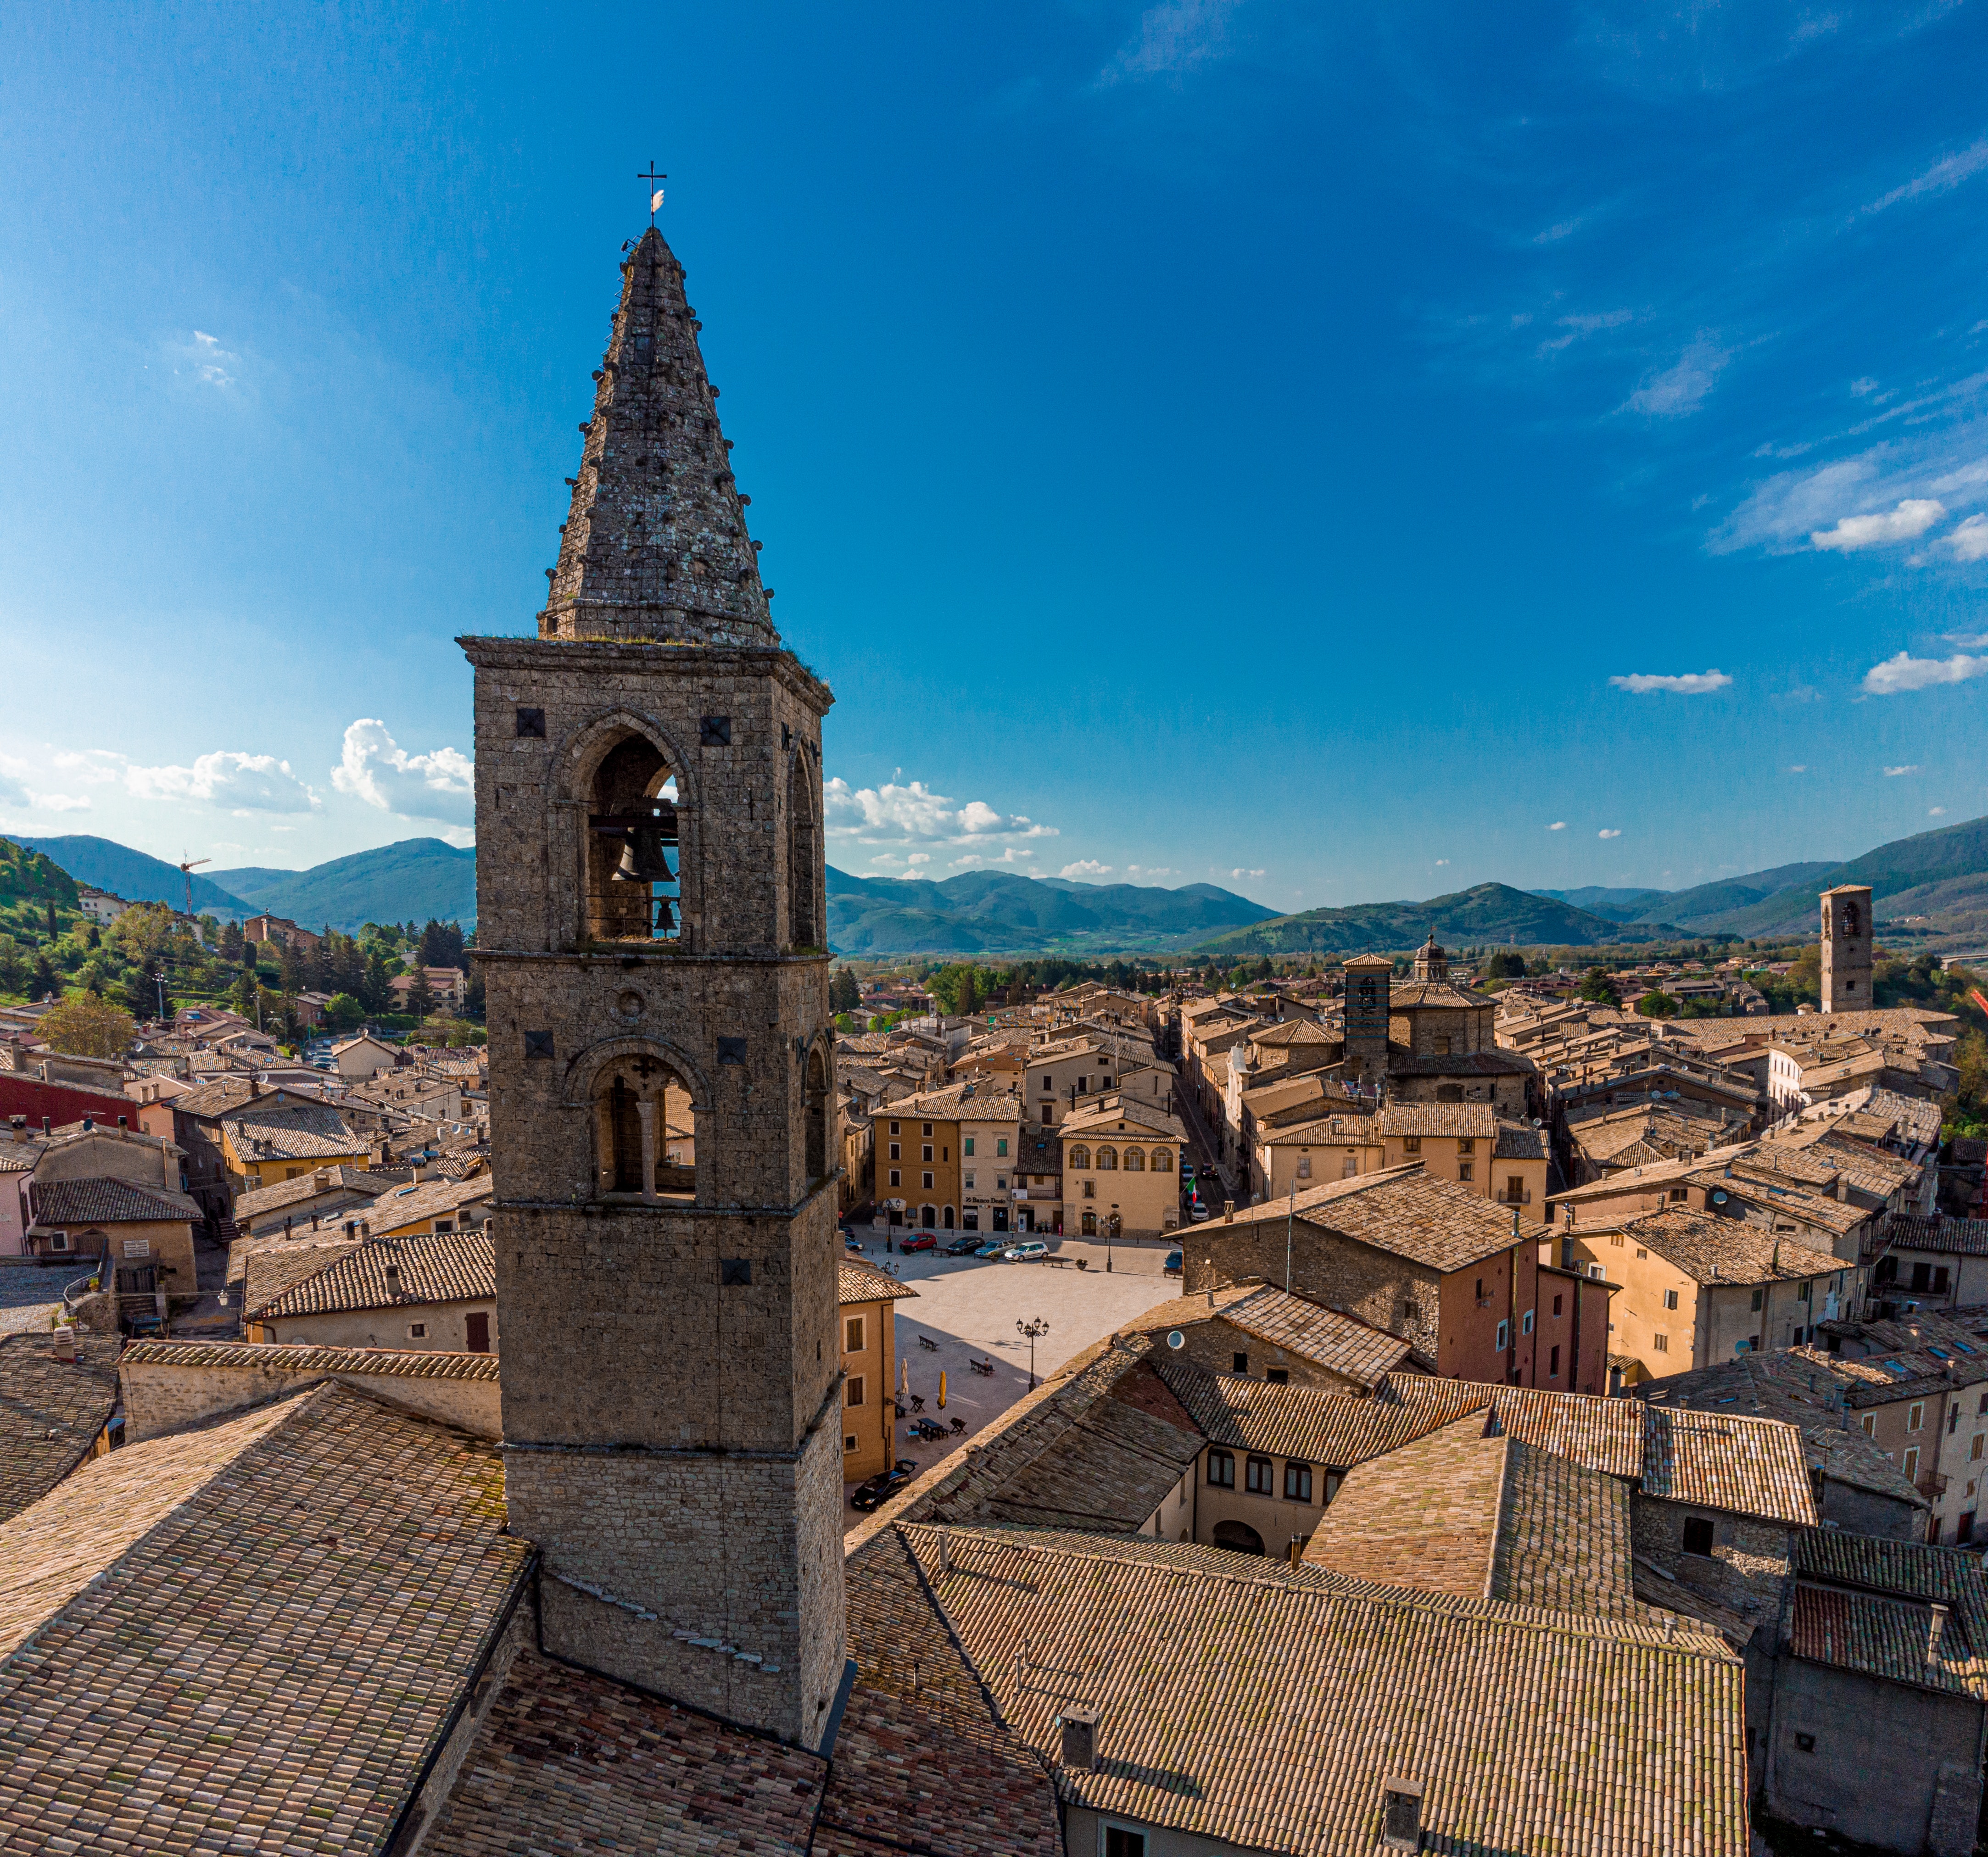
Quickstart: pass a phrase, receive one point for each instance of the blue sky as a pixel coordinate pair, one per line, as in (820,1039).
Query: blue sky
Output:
(1341,453)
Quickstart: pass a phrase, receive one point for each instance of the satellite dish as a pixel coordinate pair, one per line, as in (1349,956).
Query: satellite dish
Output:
(1175,1338)
(1719,1199)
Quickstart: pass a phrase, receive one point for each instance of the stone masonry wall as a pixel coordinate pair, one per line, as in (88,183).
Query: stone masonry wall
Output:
(1372,1285)
(160,1399)
(703,1577)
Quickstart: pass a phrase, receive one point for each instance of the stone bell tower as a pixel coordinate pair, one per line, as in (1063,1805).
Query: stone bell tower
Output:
(1846,948)
(650,923)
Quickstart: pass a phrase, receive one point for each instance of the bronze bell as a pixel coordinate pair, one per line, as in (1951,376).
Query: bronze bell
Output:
(666,920)
(643,858)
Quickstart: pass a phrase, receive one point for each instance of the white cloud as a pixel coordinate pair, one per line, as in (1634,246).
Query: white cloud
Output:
(1245,873)
(911,814)
(90,768)
(1800,766)
(1893,773)
(1905,672)
(1441,862)
(376,768)
(59,802)
(1173,39)
(243,783)
(1085,867)
(1682,386)
(1558,825)
(1912,518)
(1944,175)
(1013,855)
(1690,684)
(1151,870)
(919,857)
(1610,832)
(1935,812)
(1970,542)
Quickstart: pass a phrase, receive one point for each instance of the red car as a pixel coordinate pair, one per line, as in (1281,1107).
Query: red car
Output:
(923,1241)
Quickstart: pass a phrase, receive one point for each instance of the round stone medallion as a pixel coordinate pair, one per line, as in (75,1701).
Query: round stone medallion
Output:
(628,1005)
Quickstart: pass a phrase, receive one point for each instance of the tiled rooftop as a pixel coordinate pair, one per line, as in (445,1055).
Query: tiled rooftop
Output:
(109,1202)
(859,1283)
(51,1412)
(1265,1712)
(391,1273)
(1710,1250)
(253,1633)
(293,1357)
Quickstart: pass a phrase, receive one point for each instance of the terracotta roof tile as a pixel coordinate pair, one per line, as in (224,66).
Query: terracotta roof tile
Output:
(293,1357)
(392,1273)
(108,1202)
(51,1413)
(859,1283)
(251,1633)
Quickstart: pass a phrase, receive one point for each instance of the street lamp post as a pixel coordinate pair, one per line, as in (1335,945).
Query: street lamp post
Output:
(1032,1329)
(1110,1232)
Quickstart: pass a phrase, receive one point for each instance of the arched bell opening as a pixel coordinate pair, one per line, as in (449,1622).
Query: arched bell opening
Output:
(814,1103)
(635,888)
(804,856)
(645,1139)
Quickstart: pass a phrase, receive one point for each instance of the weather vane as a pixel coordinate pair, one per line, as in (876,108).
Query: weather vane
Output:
(656,194)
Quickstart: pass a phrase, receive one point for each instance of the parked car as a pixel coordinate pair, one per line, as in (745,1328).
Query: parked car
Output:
(1023,1253)
(965,1247)
(874,1491)
(923,1241)
(851,1244)
(1172,1266)
(1197,1212)
(996,1249)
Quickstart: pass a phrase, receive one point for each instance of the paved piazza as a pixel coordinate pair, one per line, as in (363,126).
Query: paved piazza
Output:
(969,1306)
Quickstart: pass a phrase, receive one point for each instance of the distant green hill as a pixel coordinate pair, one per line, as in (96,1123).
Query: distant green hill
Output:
(29,876)
(993,912)
(1949,865)
(1489,913)
(1614,905)
(414,880)
(136,876)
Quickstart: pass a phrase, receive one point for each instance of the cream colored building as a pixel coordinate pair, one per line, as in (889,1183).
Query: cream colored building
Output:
(1121,1171)
(1695,1289)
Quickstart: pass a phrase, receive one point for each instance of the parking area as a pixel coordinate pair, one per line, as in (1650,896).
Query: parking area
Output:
(967,1307)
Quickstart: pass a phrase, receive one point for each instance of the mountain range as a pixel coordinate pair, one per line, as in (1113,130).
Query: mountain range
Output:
(1934,883)
(417,879)
(984,912)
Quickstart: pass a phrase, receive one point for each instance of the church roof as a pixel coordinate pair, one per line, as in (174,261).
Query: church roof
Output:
(655,547)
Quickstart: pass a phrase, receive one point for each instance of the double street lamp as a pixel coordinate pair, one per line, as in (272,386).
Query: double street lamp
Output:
(1032,1329)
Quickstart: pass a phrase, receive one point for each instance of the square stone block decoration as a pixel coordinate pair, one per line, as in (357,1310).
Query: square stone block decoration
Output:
(714,731)
(532,722)
(538,1044)
(735,1273)
(730,1051)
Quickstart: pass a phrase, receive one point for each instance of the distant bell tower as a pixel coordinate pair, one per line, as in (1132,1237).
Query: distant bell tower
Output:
(1846,948)
(1431,961)
(1369,979)
(650,923)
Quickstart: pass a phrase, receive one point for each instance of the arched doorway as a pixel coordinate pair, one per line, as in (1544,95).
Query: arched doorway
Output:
(1238,1537)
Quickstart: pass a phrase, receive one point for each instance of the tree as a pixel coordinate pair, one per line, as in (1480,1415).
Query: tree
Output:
(247,991)
(843,993)
(1505,966)
(84,1026)
(290,969)
(42,981)
(1596,988)
(1657,1005)
(472,995)
(231,943)
(420,995)
(343,1013)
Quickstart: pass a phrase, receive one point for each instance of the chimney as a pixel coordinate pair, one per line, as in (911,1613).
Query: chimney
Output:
(254,1085)
(1934,1632)
(1401,1814)
(48,1127)
(1227,1211)
(1079,1739)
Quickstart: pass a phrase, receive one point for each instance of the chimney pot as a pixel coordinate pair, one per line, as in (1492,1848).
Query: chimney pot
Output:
(1079,1739)
(1401,1814)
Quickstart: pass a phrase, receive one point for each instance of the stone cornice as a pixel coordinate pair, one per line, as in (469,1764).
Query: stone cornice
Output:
(609,657)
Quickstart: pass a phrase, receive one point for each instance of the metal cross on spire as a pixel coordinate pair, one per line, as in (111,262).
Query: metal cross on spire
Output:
(656,193)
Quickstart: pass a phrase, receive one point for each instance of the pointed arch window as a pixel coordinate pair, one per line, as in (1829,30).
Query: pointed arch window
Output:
(634,890)
(816,1095)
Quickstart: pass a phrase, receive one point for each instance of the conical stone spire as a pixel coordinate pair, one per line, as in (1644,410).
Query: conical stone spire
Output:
(655,547)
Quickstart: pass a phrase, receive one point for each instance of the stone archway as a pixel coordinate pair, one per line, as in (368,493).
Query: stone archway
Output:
(1238,1537)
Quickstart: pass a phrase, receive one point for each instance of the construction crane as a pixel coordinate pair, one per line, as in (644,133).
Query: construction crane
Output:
(187,867)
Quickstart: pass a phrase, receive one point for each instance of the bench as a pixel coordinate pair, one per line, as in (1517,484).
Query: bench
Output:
(1058,1263)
